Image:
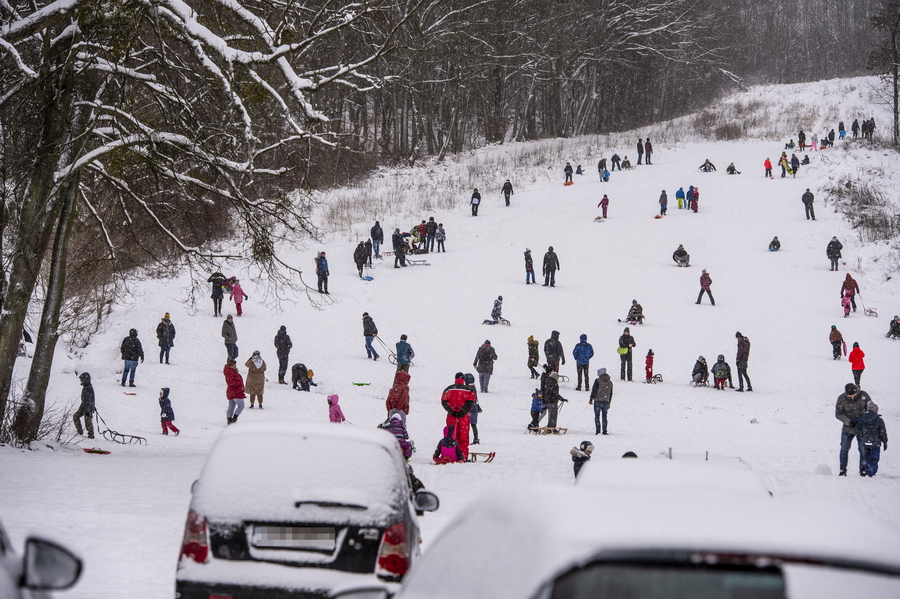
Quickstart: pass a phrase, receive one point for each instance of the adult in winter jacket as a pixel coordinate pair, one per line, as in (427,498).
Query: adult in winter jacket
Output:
(165,333)
(131,351)
(852,286)
(640,150)
(872,434)
(218,281)
(568,172)
(166,413)
(551,265)
(635,313)
(533,356)
(707,166)
(405,354)
(377,235)
(234,391)
(475,201)
(837,341)
(583,352)
(775,245)
(399,245)
(484,364)
(741,360)
(615,162)
(552,398)
(721,372)
(681,257)
(283,347)
(601,169)
(398,396)
(601,398)
(529,268)
(626,344)
(507,191)
(360,257)
(856,362)
(580,455)
(335,413)
(300,377)
(322,272)
(700,373)
(229,334)
(370,331)
(255,386)
(448,450)
(663,202)
(705,284)
(833,251)
(238,295)
(648,150)
(87,406)
(553,351)
(496,311)
(458,400)
(850,405)
(430,231)
(768,166)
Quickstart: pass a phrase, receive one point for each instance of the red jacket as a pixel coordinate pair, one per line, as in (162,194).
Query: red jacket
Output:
(235,383)
(856,359)
(398,396)
(767,164)
(457,399)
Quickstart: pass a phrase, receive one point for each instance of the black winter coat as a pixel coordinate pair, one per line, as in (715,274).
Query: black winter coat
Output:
(166,334)
(217,279)
(529,262)
(834,249)
(553,349)
(87,395)
(377,233)
(602,391)
(627,341)
(397,242)
(808,198)
(283,344)
(484,360)
(369,328)
(360,255)
(700,368)
(131,347)
(551,262)
(743,349)
(551,392)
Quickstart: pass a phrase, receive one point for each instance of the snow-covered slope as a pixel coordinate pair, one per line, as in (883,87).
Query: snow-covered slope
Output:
(124,512)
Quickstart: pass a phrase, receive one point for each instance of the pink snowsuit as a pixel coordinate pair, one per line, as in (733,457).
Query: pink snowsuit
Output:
(238,295)
(845,301)
(334,410)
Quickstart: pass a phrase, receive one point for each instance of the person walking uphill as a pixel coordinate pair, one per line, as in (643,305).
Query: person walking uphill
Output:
(872,433)
(399,245)
(283,347)
(335,413)
(833,251)
(218,281)
(850,285)
(360,257)
(741,359)
(370,331)
(583,352)
(533,357)
(458,400)
(601,398)
(484,364)
(663,202)
(808,198)
(850,405)
(553,351)
(238,295)
(551,265)
(131,351)
(87,406)
(626,344)
(529,268)
(256,378)
(705,284)
(229,334)
(398,396)
(234,391)
(507,191)
(166,413)
(322,272)
(837,341)
(405,354)
(377,235)
(856,362)
(165,333)
(475,201)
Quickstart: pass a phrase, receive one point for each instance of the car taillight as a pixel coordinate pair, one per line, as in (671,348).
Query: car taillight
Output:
(393,559)
(196,538)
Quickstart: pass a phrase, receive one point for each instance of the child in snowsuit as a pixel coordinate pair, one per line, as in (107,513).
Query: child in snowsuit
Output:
(398,429)
(837,341)
(86,408)
(604,203)
(335,414)
(679,196)
(696,199)
(238,295)
(648,366)
(700,374)
(845,302)
(537,409)
(166,413)
(580,455)
(721,372)
(447,450)
(872,433)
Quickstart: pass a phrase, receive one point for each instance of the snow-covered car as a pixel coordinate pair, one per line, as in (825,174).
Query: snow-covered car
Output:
(529,542)
(293,510)
(45,566)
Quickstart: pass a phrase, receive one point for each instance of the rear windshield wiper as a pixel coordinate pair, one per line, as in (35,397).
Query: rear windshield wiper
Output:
(352,506)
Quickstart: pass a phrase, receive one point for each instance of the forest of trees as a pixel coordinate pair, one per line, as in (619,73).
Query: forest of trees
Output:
(136,133)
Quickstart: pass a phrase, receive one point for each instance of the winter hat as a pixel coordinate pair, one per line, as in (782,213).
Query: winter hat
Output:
(627,330)
(587,446)
(402,337)
(833,327)
(721,358)
(583,338)
(704,271)
(166,317)
(85,378)
(530,338)
(834,239)
(364,315)
(855,344)
(283,329)
(633,301)
(310,374)
(738,335)
(376,222)
(872,406)
(133,332)
(458,375)
(550,249)
(469,378)
(527,251)
(850,389)
(650,352)
(500,297)
(629,454)
(487,341)
(255,354)
(229,317)
(554,376)
(701,359)
(601,371)
(397,416)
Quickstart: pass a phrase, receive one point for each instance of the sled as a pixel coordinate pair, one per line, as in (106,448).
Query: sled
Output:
(486,457)
(563,378)
(117,437)
(419,262)
(871,312)
(599,219)
(367,278)
(96,450)
(773,249)
(547,430)
(656,378)
(703,384)
(844,344)
(632,322)
(362,384)
(569,183)
(658,216)
(500,321)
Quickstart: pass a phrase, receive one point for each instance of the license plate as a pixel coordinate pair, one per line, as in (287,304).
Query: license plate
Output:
(315,538)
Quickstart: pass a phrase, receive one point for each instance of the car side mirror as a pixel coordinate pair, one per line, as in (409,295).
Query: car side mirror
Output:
(49,566)
(362,593)
(426,501)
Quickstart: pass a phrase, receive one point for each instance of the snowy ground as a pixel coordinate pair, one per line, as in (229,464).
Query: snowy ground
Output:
(124,512)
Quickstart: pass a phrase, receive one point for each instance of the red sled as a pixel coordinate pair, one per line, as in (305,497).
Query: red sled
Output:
(658,216)
(568,183)
(844,343)
(96,450)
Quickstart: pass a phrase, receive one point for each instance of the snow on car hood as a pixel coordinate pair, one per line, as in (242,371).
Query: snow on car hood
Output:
(291,472)
(526,536)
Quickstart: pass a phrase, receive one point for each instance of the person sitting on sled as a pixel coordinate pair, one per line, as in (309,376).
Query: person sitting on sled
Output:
(775,245)
(707,166)
(731,170)
(681,257)
(700,374)
(894,331)
(626,164)
(635,313)
(447,450)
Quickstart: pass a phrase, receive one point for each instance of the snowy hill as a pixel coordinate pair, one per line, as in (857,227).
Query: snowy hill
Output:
(124,512)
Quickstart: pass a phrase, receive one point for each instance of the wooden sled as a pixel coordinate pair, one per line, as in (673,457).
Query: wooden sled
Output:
(418,262)
(486,457)
(871,312)
(502,321)
(546,430)
(599,219)
(563,378)
(656,378)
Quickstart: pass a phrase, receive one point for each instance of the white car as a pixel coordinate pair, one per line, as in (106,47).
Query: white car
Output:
(45,566)
(290,510)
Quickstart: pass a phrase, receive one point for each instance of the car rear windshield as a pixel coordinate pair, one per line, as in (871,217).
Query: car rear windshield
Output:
(670,581)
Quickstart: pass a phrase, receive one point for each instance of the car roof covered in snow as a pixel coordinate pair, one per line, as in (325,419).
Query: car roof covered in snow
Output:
(292,471)
(722,476)
(510,542)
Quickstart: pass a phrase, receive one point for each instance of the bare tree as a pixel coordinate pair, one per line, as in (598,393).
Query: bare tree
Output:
(885,59)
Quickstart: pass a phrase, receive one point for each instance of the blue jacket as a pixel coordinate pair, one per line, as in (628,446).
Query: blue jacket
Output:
(583,352)
(166,413)
(321,265)
(679,193)
(537,404)
(405,352)
(87,394)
